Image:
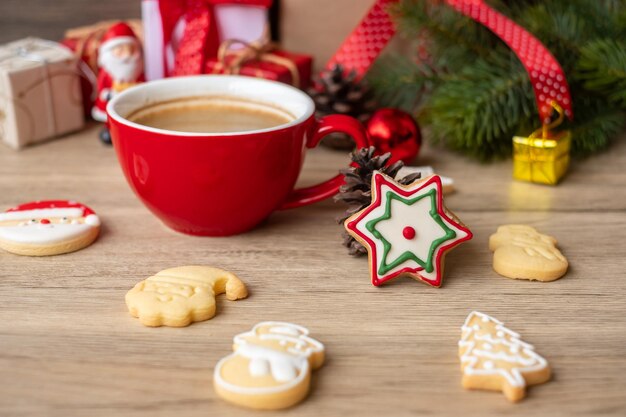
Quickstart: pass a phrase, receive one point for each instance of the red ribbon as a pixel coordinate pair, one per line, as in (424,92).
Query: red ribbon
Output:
(365,43)
(200,39)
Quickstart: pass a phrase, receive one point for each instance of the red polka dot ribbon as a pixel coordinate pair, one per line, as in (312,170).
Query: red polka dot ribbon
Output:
(368,39)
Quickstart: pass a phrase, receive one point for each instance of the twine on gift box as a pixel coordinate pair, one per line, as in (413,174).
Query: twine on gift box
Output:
(545,129)
(543,133)
(29,53)
(230,61)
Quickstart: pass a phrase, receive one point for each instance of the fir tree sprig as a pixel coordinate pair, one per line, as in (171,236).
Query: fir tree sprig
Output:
(474,94)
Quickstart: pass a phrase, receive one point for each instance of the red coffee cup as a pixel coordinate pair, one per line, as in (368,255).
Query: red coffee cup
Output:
(218,184)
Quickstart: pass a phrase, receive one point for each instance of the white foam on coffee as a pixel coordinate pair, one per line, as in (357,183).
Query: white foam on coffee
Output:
(253,90)
(210,101)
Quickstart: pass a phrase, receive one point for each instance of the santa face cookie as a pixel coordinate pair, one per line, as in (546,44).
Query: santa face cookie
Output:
(407,230)
(494,358)
(271,367)
(176,297)
(45,228)
(521,252)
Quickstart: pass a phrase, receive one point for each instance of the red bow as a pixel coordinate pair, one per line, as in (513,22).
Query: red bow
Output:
(200,39)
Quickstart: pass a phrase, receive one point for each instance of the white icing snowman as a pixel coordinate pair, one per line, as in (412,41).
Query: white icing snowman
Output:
(271,366)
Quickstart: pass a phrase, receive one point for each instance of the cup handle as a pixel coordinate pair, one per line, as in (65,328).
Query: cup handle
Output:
(326,125)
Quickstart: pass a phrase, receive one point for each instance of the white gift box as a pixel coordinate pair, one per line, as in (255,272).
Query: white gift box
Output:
(40,95)
(234,21)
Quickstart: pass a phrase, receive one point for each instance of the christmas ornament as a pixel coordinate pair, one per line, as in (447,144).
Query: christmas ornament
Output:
(395,131)
(356,191)
(84,41)
(44,228)
(494,358)
(120,63)
(407,230)
(543,157)
(337,91)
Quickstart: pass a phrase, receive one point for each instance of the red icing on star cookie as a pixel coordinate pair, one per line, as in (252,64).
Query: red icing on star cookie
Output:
(412,242)
(408,232)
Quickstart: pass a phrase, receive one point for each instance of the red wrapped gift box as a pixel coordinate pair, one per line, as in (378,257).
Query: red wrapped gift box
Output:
(276,65)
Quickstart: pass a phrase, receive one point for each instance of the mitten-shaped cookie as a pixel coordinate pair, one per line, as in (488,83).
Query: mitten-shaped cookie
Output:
(522,252)
(179,296)
(271,367)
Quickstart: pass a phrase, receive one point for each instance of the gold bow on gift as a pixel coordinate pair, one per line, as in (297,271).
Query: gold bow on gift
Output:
(230,61)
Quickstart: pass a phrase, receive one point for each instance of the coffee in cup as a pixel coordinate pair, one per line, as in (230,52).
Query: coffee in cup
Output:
(212,114)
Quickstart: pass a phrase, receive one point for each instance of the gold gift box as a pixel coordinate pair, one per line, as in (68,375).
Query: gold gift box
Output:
(541,160)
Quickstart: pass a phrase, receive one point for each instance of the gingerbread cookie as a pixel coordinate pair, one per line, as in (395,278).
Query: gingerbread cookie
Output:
(407,230)
(521,252)
(494,358)
(179,296)
(271,367)
(43,228)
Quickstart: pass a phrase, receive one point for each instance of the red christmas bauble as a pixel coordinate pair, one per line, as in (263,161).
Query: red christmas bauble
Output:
(395,131)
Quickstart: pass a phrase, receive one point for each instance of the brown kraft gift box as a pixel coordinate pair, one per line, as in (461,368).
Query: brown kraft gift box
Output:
(40,95)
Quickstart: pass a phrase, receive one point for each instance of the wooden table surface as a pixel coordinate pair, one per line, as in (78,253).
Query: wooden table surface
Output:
(68,346)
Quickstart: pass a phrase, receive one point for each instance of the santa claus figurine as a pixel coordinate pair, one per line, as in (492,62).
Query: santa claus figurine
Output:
(120,62)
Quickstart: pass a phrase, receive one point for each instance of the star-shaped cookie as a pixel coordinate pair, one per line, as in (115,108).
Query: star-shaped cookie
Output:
(407,230)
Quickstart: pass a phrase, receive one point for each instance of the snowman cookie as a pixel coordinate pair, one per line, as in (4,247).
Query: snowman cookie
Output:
(521,252)
(271,367)
(43,228)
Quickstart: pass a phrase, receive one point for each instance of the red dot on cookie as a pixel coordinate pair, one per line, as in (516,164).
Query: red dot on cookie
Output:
(44,221)
(408,232)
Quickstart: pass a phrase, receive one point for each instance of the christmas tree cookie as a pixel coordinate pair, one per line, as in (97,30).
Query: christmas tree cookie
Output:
(407,230)
(494,358)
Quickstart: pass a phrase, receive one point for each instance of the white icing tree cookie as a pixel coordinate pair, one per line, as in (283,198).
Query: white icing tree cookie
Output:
(494,358)
(271,367)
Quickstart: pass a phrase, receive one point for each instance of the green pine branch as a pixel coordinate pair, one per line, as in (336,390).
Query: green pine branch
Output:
(484,104)
(602,68)
(474,94)
(402,83)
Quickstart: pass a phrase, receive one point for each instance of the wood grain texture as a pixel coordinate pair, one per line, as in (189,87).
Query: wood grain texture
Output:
(68,346)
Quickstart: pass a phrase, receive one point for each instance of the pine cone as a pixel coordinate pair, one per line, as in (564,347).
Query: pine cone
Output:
(357,190)
(338,92)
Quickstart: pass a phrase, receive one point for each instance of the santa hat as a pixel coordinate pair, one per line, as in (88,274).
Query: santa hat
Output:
(118,34)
